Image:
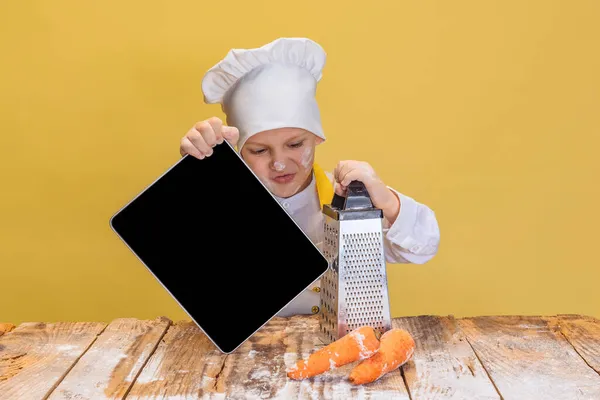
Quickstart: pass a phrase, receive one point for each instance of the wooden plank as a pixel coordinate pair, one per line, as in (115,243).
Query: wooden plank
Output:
(258,368)
(529,359)
(35,357)
(583,333)
(5,328)
(443,365)
(109,368)
(185,365)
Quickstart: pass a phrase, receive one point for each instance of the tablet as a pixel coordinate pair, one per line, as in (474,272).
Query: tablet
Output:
(221,245)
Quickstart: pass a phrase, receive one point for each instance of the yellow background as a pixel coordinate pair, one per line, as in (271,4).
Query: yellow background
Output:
(487,111)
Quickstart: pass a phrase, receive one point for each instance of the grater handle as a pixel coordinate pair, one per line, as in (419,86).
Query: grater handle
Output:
(357,198)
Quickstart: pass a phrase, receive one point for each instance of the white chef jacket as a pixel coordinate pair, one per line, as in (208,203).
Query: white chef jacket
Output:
(412,238)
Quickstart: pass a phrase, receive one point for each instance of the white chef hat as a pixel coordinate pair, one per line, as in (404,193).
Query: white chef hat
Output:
(273,86)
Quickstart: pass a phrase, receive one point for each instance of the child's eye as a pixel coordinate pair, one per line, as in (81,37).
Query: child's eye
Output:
(297,144)
(260,151)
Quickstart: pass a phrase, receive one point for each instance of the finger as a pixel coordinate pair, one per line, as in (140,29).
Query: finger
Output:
(208,135)
(187,147)
(198,141)
(339,189)
(352,175)
(231,134)
(217,126)
(347,168)
(336,171)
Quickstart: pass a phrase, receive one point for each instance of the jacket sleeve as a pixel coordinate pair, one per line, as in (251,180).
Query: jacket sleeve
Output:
(415,235)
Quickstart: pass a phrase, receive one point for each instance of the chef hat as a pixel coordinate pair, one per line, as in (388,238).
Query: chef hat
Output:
(273,86)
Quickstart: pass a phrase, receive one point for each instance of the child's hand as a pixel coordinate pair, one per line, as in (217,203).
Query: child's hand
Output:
(381,196)
(205,135)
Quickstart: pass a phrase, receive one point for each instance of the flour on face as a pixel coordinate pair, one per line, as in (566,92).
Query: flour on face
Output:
(306,157)
(279,166)
(267,183)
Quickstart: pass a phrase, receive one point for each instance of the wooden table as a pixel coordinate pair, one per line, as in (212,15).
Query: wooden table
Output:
(510,357)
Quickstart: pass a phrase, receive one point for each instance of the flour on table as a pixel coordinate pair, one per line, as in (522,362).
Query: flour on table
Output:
(290,359)
(67,347)
(135,369)
(70,349)
(148,378)
(306,385)
(288,391)
(261,373)
(207,380)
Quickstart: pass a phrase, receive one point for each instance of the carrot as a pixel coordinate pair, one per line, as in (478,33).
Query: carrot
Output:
(357,345)
(396,347)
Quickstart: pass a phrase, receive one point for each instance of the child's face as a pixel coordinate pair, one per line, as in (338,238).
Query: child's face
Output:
(282,159)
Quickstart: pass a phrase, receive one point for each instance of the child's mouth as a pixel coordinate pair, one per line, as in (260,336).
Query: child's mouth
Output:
(287,178)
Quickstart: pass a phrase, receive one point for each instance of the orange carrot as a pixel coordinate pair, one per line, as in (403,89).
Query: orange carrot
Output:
(396,347)
(357,345)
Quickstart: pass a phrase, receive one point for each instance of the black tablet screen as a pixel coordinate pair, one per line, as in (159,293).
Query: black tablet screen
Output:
(221,245)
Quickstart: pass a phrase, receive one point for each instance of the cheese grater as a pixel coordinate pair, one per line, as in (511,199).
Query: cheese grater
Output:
(354,289)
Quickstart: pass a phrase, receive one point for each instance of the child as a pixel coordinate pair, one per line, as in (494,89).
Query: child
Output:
(268,96)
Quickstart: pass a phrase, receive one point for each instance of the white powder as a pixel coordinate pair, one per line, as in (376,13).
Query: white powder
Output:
(364,352)
(268,184)
(135,369)
(69,349)
(187,397)
(290,359)
(306,157)
(261,373)
(288,391)
(276,368)
(306,387)
(279,166)
(344,390)
(383,372)
(292,368)
(148,378)
(252,353)
(207,380)
(66,347)
(332,364)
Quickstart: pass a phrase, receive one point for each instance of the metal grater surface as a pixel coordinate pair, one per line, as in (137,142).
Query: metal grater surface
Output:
(329,287)
(354,290)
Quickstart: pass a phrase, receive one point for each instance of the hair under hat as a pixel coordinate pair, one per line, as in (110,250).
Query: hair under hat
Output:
(269,87)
